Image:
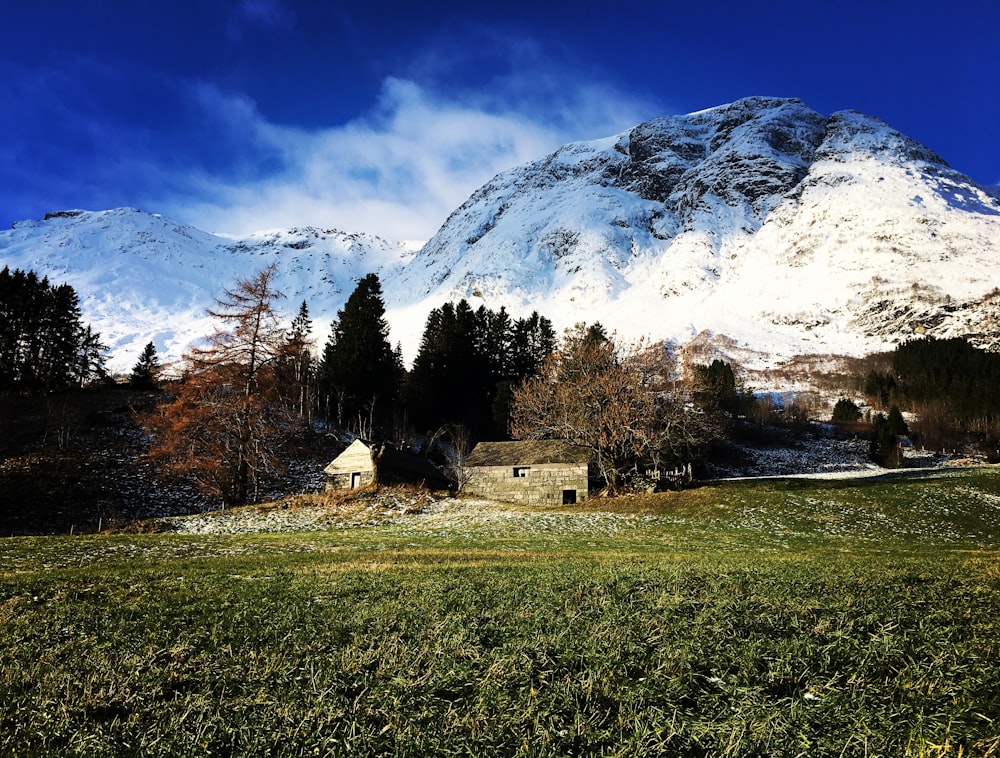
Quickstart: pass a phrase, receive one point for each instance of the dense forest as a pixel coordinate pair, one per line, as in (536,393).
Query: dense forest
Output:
(44,346)
(950,387)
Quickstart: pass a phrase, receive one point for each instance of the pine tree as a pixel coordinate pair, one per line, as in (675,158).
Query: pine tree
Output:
(91,361)
(41,334)
(448,381)
(845,411)
(300,362)
(716,384)
(359,375)
(885,449)
(467,362)
(896,422)
(534,340)
(146,372)
(60,339)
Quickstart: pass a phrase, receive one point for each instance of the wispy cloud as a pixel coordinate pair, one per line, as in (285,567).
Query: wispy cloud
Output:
(95,135)
(399,170)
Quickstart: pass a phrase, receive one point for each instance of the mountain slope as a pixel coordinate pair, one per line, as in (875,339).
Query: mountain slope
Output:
(760,224)
(143,277)
(784,229)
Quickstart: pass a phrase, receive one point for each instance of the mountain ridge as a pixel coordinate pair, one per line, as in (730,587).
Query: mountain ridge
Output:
(682,210)
(775,227)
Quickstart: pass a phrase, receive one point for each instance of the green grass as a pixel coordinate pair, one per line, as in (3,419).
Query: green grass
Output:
(779,618)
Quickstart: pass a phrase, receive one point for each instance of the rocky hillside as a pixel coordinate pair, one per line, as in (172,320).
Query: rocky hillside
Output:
(788,231)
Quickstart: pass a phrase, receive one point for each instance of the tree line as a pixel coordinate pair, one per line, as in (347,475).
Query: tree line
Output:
(949,385)
(253,388)
(462,373)
(44,345)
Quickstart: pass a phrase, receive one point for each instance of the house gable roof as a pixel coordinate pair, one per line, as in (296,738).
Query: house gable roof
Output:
(350,451)
(526,453)
(392,462)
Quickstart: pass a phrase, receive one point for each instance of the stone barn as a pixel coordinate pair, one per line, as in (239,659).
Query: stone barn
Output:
(364,463)
(531,472)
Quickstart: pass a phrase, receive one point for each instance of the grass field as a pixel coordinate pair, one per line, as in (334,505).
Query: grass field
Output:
(814,618)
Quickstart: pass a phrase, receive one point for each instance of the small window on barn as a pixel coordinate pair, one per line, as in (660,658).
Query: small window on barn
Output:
(520,472)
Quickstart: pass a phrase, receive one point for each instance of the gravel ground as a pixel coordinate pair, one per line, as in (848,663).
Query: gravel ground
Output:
(303,515)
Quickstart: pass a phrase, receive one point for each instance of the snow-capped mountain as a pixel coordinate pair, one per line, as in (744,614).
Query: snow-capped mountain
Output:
(789,231)
(143,277)
(762,225)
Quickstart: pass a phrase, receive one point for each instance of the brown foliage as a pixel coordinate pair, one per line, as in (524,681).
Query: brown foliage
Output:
(227,418)
(630,406)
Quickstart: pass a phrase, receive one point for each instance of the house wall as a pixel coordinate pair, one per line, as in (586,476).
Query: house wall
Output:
(544,484)
(356,458)
(343,481)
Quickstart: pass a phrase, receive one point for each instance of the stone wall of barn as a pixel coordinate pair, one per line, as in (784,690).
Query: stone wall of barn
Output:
(347,481)
(542,484)
(356,459)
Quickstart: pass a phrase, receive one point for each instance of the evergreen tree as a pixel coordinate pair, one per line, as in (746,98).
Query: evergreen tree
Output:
(300,362)
(359,375)
(885,449)
(845,411)
(91,363)
(60,338)
(437,387)
(879,388)
(467,363)
(42,339)
(534,340)
(896,422)
(951,387)
(146,372)
(717,386)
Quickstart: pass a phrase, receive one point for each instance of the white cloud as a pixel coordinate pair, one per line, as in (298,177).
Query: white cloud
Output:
(399,170)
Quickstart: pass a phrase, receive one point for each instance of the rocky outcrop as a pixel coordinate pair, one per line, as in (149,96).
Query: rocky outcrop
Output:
(762,219)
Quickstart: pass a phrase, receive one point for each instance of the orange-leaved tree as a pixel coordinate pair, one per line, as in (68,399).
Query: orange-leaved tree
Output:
(227,418)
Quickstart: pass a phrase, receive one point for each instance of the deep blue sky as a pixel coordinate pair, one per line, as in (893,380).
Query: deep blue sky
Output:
(382,117)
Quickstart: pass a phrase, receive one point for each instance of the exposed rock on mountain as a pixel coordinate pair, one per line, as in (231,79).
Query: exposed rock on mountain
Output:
(764,220)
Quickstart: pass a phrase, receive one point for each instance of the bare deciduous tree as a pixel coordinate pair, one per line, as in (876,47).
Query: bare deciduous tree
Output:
(630,406)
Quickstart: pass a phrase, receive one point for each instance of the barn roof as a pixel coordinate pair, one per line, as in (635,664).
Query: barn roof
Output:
(526,453)
(406,464)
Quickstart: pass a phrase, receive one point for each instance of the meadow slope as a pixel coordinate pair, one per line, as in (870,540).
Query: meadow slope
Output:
(785,617)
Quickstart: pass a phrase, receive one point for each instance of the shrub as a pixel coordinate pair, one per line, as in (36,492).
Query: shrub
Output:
(845,410)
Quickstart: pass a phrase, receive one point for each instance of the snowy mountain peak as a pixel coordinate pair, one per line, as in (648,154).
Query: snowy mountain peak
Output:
(760,224)
(762,220)
(143,277)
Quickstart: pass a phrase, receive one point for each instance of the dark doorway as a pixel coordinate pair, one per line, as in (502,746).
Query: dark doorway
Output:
(569,497)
